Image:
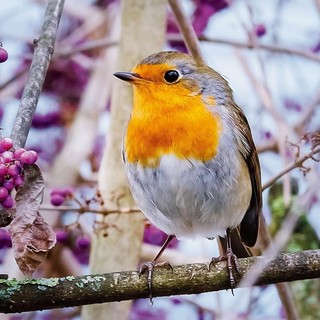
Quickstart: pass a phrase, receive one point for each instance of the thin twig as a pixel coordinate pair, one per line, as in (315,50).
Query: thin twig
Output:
(101,43)
(268,146)
(269,47)
(272,247)
(308,112)
(295,164)
(44,48)
(87,46)
(189,35)
(15,77)
(88,210)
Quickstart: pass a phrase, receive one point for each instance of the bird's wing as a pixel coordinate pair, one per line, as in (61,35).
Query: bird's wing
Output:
(250,223)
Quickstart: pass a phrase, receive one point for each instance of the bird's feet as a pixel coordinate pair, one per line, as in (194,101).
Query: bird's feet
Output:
(148,267)
(232,261)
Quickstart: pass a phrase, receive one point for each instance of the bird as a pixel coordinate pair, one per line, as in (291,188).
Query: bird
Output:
(190,159)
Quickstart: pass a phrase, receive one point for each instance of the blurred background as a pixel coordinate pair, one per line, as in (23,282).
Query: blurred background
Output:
(269,53)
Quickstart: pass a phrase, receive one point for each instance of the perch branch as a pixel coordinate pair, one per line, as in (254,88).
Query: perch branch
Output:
(39,294)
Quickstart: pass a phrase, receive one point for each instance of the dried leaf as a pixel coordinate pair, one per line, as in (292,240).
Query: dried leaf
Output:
(31,236)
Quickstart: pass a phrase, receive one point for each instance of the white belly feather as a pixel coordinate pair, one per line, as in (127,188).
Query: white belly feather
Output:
(191,198)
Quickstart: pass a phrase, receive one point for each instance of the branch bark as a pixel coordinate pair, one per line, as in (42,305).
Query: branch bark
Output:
(189,35)
(39,294)
(44,47)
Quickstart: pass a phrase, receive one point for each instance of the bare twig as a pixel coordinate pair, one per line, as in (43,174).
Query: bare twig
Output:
(101,43)
(308,112)
(87,46)
(84,209)
(188,33)
(269,47)
(295,164)
(44,47)
(268,146)
(16,76)
(272,247)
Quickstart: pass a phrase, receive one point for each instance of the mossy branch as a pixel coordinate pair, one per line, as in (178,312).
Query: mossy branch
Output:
(39,294)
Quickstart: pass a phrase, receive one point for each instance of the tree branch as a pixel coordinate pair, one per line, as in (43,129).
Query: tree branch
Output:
(269,47)
(295,164)
(39,294)
(44,48)
(189,35)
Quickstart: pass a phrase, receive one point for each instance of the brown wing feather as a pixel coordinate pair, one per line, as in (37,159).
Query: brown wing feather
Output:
(250,223)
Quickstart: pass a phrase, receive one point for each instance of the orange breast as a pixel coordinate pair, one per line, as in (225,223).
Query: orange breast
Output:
(168,123)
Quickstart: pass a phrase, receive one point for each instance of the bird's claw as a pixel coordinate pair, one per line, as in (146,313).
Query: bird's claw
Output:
(232,261)
(149,267)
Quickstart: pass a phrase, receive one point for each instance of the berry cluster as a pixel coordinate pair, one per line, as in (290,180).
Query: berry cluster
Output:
(78,243)
(12,163)
(59,195)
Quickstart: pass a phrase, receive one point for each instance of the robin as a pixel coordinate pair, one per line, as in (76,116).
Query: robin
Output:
(189,155)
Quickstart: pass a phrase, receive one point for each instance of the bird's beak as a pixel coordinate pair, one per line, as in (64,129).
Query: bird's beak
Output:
(128,76)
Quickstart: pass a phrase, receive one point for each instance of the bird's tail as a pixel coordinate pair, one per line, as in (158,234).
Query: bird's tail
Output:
(238,248)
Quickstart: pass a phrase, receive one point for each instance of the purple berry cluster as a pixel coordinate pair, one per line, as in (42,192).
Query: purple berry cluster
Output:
(76,241)
(59,195)
(12,163)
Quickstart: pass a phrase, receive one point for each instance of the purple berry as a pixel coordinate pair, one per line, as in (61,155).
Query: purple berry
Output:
(34,154)
(260,30)
(67,192)
(41,121)
(5,239)
(7,156)
(6,143)
(62,236)
(153,235)
(3,194)
(83,243)
(176,301)
(8,184)
(316,48)
(3,170)
(18,152)
(292,105)
(8,202)
(18,180)
(14,170)
(3,55)
(57,200)
(268,135)
(28,157)
(58,191)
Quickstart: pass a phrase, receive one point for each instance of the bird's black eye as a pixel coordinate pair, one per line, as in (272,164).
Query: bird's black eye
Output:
(171,76)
